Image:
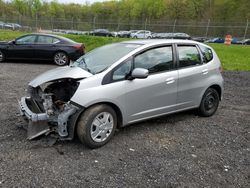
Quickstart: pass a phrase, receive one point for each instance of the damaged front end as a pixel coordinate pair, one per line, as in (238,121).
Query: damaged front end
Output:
(48,109)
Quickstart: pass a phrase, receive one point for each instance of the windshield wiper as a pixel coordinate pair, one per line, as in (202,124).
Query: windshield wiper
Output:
(82,61)
(101,70)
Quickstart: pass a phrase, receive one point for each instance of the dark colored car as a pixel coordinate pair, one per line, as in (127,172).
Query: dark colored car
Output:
(43,47)
(200,39)
(216,40)
(101,32)
(171,36)
(123,34)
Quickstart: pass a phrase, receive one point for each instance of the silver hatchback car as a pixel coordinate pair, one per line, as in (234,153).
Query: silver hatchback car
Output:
(120,84)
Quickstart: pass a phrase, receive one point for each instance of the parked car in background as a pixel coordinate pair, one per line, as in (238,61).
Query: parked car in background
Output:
(142,34)
(124,34)
(216,40)
(101,32)
(171,36)
(15,26)
(114,34)
(244,42)
(181,36)
(7,26)
(104,90)
(1,25)
(200,39)
(43,47)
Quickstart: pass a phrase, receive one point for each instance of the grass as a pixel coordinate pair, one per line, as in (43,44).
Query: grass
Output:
(234,57)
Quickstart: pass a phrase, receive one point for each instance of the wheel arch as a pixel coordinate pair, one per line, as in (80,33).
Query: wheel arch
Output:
(218,89)
(112,105)
(115,108)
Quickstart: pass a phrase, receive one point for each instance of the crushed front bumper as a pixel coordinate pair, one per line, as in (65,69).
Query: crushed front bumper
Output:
(40,122)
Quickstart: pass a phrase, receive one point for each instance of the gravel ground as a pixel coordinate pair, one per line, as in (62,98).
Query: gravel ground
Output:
(181,150)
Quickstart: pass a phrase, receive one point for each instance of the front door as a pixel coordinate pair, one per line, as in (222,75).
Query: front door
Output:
(157,94)
(23,48)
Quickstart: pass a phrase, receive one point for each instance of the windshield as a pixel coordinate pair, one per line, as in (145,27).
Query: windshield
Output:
(101,58)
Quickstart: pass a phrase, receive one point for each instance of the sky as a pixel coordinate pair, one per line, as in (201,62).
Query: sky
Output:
(79,1)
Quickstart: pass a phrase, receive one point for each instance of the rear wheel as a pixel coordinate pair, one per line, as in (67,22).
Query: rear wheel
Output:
(61,59)
(2,56)
(97,125)
(209,103)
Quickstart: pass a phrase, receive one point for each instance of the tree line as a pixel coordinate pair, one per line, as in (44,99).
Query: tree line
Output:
(127,10)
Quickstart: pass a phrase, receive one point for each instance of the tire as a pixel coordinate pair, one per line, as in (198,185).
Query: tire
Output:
(61,59)
(209,103)
(2,56)
(93,135)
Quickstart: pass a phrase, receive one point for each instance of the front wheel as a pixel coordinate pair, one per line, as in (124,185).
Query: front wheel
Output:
(2,57)
(209,103)
(97,125)
(61,59)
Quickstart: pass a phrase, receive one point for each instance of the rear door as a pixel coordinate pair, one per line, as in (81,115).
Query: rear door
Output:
(46,47)
(192,75)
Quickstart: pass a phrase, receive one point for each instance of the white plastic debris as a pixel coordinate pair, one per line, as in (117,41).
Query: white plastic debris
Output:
(131,149)
(96,161)
(194,156)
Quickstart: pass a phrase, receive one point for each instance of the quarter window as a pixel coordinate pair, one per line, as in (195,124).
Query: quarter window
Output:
(188,56)
(122,71)
(155,60)
(207,53)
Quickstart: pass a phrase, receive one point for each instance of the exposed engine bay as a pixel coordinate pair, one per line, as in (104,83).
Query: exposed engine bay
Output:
(48,107)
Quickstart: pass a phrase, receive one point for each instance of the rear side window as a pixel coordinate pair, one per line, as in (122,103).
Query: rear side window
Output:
(47,40)
(155,60)
(188,56)
(207,53)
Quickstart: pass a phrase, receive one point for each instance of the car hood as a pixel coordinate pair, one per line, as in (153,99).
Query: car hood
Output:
(60,73)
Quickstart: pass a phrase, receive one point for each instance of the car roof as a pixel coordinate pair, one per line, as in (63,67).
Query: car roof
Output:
(160,41)
(51,35)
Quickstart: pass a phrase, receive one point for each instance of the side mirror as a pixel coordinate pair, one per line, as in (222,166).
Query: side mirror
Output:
(139,73)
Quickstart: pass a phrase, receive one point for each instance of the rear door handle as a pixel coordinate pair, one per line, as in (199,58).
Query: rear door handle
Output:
(205,71)
(170,80)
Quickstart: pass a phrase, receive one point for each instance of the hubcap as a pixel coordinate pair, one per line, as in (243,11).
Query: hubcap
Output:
(60,59)
(102,126)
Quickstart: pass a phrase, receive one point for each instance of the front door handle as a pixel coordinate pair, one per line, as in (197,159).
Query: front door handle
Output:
(170,80)
(205,71)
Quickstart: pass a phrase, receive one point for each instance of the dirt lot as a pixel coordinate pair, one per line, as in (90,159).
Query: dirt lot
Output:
(181,150)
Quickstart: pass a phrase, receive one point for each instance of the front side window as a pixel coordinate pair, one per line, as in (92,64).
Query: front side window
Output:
(30,39)
(207,53)
(155,60)
(188,56)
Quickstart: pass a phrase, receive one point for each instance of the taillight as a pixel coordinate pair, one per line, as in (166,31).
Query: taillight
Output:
(77,46)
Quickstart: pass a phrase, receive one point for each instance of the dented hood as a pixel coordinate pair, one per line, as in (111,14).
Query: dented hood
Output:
(60,73)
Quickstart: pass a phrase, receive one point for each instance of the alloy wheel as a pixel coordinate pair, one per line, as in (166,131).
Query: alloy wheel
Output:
(61,58)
